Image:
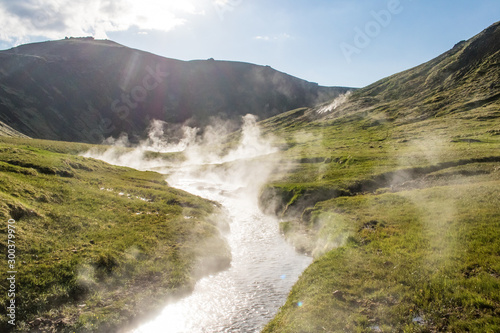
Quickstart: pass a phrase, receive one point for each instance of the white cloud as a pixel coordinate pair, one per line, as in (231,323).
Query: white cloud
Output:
(283,36)
(266,38)
(59,18)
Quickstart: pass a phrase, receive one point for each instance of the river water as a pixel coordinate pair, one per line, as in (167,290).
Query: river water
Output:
(245,297)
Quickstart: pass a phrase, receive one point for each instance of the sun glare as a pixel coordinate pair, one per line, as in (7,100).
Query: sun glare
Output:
(163,15)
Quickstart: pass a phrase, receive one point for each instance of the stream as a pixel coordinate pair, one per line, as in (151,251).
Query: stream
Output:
(245,297)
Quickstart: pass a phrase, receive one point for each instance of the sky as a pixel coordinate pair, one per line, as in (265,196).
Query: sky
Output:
(332,42)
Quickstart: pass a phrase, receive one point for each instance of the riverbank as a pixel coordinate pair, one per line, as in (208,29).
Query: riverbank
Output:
(99,247)
(263,269)
(402,220)
(421,260)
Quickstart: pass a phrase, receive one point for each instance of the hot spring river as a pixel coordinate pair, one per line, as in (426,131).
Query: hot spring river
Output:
(247,295)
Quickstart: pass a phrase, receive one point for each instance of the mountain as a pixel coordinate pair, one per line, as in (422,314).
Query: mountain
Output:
(457,94)
(465,78)
(395,190)
(81,89)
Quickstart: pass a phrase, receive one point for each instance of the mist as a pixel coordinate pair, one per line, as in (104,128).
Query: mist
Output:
(196,151)
(331,106)
(228,167)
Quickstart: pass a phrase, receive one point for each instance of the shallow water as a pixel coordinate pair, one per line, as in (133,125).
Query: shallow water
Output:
(247,295)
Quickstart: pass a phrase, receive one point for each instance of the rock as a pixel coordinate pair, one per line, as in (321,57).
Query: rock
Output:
(339,295)
(371,225)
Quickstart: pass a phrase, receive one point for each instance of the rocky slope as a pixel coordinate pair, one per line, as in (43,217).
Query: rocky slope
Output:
(6,130)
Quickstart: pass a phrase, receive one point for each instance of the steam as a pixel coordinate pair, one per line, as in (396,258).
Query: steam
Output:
(243,159)
(252,144)
(156,139)
(335,103)
(436,214)
(198,149)
(121,152)
(231,165)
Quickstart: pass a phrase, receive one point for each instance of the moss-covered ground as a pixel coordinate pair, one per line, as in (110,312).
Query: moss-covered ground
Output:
(97,246)
(403,221)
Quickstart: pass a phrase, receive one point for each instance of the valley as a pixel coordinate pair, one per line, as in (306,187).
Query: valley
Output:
(392,189)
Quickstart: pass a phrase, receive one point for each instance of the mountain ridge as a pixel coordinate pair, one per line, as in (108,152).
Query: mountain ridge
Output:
(81,89)
(471,66)
(449,90)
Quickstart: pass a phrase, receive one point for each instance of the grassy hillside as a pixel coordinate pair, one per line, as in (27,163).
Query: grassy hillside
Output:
(391,125)
(465,78)
(98,246)
(396,195)
(423,260)
(404,227)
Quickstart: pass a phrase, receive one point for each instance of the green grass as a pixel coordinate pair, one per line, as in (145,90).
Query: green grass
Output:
(402,218)
(415,261)
(338,154)
(98,247)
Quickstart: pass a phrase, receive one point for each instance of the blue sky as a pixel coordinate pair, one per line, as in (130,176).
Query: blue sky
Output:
(336,42)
